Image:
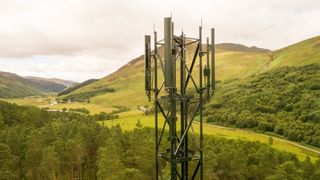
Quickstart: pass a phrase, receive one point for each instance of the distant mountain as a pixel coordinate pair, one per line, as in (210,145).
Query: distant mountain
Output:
(45,85)
(65,83)
(233,61)
(240,47)
(15,86)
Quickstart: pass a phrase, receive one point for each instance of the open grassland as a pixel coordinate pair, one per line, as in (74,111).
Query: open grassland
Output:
(32,100)
(93,108)
(128,121)
(46,102)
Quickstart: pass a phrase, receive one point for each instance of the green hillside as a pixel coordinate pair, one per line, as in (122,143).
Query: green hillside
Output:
(128,81)
(302,53)
(232,61)
(14,86)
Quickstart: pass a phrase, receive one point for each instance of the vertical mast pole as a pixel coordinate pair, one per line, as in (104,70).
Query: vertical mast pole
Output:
(183,110)
(155,102)
(186,151)
(182,103)
(201,101)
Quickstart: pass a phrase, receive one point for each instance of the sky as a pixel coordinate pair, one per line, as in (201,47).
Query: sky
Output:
(83,39)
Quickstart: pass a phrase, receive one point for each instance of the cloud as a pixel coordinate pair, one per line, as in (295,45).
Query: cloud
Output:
(49,34)
(78,68)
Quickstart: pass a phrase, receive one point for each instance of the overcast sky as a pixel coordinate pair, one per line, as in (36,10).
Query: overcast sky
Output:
(82,39)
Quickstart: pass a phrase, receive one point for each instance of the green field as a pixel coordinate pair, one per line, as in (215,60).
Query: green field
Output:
(33,100)
(44,102)
(93,108)
(128,121)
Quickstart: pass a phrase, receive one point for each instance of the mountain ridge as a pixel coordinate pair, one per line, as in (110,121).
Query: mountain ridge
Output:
(15,86)
(240,47)
(66,83)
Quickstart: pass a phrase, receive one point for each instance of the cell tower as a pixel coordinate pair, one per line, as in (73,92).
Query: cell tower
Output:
(186,97)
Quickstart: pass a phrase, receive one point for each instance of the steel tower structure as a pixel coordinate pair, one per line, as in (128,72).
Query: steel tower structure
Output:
(194,89)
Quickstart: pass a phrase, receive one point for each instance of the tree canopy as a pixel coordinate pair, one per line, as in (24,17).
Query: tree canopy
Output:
(36,144)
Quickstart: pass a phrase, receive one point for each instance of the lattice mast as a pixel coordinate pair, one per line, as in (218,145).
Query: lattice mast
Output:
(178,154)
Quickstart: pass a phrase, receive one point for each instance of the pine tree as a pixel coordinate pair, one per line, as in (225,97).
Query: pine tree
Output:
(50,163)
(109,162)
(8,163)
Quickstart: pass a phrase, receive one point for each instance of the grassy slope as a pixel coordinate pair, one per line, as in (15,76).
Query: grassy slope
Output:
(128,81)
(302,53)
